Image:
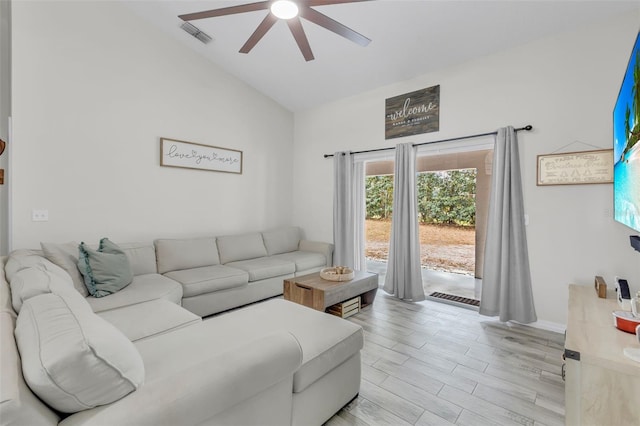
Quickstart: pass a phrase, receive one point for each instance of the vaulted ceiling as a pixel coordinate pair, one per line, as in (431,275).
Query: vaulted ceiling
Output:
(409,38)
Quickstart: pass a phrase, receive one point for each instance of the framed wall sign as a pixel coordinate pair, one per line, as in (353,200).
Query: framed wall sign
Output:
(189,155)
(576,168)
(412,113)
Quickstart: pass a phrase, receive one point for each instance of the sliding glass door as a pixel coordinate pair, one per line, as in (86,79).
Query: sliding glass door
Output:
(453,197)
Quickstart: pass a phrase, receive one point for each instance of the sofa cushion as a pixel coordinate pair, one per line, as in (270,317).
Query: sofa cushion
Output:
(5,294)
(208,279)
(23,259)
(281,240)
(142,257)
(247,384)
(106,270)
(66,256)
(326,341)
(264,267)
(303,260)
(13,263)
(36,280)
(19,405)
(20,259)
(71,358)
(175,255)
(149,319)
(142,289)
(240,247)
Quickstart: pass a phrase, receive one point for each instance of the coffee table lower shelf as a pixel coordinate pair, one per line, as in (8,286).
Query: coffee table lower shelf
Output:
(346,308)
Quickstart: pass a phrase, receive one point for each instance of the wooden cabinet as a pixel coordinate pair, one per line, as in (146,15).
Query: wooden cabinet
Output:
(602,386)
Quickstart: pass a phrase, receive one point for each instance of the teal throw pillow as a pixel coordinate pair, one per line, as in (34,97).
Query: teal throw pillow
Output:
(105,270)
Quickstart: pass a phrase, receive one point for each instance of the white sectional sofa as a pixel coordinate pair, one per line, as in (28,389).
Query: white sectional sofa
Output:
(137,357)
(233,270)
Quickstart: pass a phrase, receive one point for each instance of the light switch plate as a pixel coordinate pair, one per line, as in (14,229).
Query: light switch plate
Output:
(39,215)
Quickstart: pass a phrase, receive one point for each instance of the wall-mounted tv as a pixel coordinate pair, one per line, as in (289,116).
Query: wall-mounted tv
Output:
(626,148)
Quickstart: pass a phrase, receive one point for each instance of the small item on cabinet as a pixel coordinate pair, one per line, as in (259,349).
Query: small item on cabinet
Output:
(635,305)
(634,353)
(624,295)
(601,287)
(625,321)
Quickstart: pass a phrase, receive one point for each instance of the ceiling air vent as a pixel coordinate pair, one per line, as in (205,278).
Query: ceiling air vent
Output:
(195,31)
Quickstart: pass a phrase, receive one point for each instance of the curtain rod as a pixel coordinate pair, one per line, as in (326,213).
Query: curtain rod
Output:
(527,128)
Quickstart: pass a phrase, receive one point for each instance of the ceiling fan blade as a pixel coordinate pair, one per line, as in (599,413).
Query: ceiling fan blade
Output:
(301,38)
(257,35)
(232,10)
(327,2)
(335,26)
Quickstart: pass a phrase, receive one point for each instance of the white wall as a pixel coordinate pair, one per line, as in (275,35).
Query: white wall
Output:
(94,88)
(565,87)
(5,112)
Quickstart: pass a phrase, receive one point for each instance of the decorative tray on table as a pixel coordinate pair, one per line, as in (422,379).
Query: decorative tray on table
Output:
(337,273)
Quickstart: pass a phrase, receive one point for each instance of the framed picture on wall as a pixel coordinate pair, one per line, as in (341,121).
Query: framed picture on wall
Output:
(190,155)
(575,168)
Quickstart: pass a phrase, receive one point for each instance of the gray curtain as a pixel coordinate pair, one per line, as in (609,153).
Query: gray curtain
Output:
(343,210)
(404,278)
(506,283)
(359,212)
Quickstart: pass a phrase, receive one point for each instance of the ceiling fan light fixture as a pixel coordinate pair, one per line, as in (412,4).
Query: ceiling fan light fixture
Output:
(284,9)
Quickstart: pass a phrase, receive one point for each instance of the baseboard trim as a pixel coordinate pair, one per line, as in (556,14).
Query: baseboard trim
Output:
(548,325)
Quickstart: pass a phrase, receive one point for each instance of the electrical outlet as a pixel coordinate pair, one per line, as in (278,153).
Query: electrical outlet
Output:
(39,215)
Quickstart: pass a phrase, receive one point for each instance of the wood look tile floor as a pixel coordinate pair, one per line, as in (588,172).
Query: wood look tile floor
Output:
(430,363)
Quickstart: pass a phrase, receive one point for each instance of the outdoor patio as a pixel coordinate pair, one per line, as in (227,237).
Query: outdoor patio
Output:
(437,281)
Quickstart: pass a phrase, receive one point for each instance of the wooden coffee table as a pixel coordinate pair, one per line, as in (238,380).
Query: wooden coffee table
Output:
(317,293)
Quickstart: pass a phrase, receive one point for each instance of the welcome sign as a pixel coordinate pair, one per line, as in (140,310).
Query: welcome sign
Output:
(413,113)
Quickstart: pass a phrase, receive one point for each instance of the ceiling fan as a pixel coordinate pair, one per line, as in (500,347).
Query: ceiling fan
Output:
(290,11)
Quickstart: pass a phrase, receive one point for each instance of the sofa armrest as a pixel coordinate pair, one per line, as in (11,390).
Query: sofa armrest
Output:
(203,390)
(318,247)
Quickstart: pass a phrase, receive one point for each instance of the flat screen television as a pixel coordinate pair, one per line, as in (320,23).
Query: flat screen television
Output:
(626,148)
